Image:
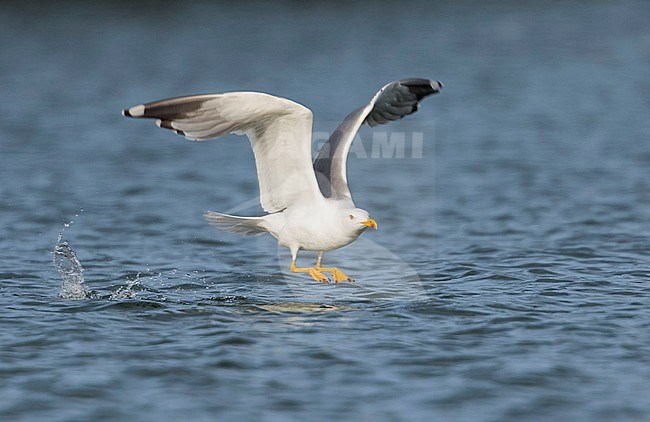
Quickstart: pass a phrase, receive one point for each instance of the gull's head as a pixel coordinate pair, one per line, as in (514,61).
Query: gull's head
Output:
(358,220)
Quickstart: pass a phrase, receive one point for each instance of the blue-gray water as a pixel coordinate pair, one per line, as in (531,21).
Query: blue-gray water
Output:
(509,278)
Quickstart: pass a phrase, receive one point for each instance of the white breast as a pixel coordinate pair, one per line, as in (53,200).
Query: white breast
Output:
(316,228)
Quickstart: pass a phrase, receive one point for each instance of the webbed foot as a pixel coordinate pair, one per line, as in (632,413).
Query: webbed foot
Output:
(315,273)
(337,274)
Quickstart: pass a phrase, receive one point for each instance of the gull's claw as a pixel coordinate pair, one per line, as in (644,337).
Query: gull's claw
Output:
(318,276)
(337,274)
(315,273)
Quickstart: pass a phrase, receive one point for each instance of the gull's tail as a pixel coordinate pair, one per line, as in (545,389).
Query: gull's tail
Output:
(245,226)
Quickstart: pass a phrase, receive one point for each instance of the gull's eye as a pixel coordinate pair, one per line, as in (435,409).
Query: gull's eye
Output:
(351,217)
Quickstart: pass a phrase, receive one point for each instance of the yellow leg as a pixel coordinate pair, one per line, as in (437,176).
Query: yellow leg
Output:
(337,274)
(313,272)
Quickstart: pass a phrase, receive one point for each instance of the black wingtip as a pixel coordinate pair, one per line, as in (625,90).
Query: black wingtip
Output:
(421,87)
(433,88)
(126,113)
(167,124)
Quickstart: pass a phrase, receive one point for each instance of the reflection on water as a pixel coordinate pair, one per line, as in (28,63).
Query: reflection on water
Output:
(301,307)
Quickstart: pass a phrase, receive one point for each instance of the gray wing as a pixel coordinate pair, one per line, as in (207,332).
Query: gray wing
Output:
(279,131)
(392,102)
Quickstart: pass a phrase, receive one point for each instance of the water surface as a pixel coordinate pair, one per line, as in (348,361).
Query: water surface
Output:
(509,279)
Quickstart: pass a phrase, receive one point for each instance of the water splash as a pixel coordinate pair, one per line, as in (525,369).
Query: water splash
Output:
(68,265)
(126,292)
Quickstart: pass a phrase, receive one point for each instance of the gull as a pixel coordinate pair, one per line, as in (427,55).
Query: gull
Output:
(309,205)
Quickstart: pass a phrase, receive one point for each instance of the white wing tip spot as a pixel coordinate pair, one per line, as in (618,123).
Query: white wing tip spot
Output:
(136,111)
